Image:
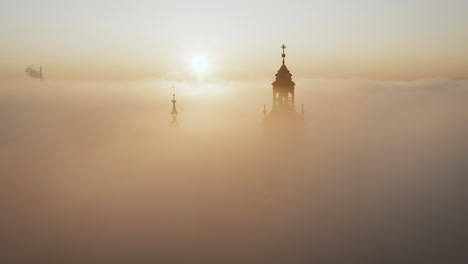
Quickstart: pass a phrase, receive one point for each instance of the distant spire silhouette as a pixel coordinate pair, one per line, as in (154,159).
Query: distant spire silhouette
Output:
(174,109)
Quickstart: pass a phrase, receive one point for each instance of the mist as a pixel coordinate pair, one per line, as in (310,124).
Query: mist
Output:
(92,172)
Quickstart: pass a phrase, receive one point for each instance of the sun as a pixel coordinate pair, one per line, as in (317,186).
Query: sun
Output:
(199,64)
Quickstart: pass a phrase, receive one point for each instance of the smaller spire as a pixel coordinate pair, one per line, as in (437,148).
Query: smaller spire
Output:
(174,110)
(284,55)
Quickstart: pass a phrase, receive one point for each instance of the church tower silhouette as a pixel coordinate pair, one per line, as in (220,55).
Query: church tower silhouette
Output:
(174,109)
(283,121)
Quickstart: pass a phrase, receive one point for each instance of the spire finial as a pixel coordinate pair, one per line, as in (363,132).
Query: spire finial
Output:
(284,55)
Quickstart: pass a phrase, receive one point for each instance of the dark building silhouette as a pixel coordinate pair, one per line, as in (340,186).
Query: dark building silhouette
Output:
(174,109)
(283,121)
(34,73)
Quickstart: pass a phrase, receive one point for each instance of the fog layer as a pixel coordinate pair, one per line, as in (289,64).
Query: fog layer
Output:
(93,173)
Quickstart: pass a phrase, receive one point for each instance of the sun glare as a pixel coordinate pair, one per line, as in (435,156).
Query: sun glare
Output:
(199,64)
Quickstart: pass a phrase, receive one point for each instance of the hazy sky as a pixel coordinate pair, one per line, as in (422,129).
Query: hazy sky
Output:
(123,39)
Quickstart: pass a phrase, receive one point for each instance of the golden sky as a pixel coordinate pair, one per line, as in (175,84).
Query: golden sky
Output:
(128,40)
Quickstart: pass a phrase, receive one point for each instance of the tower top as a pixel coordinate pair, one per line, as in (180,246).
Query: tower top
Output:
(283,76)
(284,55)
(174,110)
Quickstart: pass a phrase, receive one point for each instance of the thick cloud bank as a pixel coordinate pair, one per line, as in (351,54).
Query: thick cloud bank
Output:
(93,173)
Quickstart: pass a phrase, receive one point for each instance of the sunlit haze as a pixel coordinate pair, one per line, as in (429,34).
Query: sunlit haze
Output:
(233,132)
(199,64)
(128,40)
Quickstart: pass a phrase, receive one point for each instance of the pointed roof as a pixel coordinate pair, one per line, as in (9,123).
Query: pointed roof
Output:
(283,74)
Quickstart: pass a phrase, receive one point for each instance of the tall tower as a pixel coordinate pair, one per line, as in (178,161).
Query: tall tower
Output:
(283,86)
(174,109)
(283,121)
